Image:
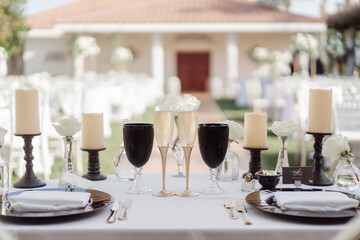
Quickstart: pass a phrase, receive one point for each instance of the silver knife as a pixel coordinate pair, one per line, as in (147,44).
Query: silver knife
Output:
(113,210)
(123,215)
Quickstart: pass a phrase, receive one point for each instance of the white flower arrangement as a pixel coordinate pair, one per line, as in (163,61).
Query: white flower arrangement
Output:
(3,54)
(336,146)
(85,46)
(67,127)
(175,102)
(3,132)
(39,80)
(305,43)
(192,100)
(284,128)
(236,131)
(121,55)
(335,46)
(273,63)
(261,54)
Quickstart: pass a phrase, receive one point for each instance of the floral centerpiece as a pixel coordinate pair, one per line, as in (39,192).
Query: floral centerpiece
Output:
(346,174)
(306,43)
(272,63)
(121,58)
(40,80)
(335,46)
(229,168)
(84,46)
(305,46)
(283,129)
(67,128)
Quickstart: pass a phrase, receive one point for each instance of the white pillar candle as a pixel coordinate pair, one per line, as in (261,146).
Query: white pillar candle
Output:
(256,130)
(320,107)
(27,119)
(92,131)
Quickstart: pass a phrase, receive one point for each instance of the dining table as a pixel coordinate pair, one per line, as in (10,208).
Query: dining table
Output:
(175,218)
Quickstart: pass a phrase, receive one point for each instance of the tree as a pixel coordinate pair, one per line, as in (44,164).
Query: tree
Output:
(12,22)
(277,3)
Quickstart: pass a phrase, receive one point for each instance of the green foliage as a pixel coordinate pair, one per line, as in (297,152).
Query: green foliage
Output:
(12,21)
(277,3)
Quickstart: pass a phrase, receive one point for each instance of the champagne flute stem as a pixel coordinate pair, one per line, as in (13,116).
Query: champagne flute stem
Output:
(187,152)
(163,152)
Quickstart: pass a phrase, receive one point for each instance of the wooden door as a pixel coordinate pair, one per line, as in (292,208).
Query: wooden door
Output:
(193,70)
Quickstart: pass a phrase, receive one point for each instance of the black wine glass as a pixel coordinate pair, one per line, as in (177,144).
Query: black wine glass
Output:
(138,143)
(213,142)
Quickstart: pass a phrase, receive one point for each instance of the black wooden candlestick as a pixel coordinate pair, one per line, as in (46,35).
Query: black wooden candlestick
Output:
(255,160)
(94,165)
(319,178)
(29,179)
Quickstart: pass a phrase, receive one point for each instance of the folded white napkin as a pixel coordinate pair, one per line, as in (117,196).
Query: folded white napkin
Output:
(48,201)
(314,201)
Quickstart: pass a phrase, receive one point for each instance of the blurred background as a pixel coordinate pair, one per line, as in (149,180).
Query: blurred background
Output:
(119,56)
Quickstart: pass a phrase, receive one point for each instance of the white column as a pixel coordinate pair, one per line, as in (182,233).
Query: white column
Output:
(232,63)
(157,59)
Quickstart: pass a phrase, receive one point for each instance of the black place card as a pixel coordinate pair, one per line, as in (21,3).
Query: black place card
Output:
(292,174)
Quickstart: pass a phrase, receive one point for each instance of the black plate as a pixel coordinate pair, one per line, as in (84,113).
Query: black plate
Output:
(263,199)
(98,200)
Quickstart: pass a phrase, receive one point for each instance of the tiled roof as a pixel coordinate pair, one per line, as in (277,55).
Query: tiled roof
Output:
(162,11)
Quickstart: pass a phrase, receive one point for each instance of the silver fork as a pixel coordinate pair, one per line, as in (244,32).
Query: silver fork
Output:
(228,204)
(240,207)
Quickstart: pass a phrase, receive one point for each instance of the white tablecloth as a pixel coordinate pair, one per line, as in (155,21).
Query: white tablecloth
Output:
(149,217)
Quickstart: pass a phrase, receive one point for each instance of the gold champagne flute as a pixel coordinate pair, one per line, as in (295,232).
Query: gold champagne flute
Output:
(187,129)
(163,130)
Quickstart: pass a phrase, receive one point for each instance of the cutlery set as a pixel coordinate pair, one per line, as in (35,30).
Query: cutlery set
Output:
(120,207)
(240,207)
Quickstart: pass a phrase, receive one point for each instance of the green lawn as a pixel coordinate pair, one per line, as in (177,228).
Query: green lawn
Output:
(269,157)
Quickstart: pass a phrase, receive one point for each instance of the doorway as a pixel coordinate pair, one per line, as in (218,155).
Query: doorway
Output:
(193,70)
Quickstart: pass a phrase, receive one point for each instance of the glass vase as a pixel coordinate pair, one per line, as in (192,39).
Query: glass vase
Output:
(124,170)
(4,174)
(229,168)
(283,159)
(346,174)
(178,154)
(68,165)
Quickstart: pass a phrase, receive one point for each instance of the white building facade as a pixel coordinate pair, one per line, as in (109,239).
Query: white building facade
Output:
(165,48)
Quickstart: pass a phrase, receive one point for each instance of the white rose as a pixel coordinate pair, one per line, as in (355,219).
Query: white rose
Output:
(284,128)
(175,102)
(67,127)
(335,146)
(3,132)
(236,131)
(192,100)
